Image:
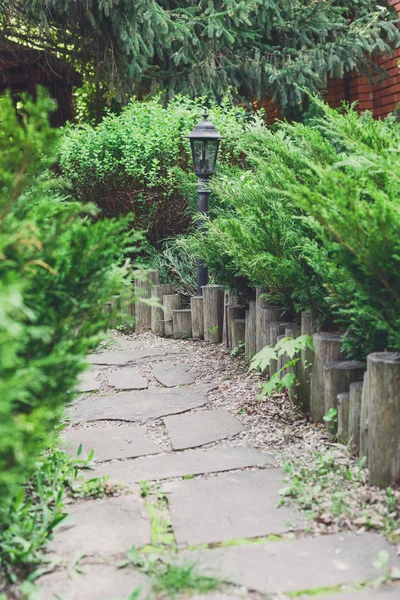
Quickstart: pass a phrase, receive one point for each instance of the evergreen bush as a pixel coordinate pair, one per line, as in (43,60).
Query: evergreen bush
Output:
(139,161)
(57,268)
(314,218)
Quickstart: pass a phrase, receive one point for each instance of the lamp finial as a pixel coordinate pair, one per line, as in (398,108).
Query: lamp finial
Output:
(205,113)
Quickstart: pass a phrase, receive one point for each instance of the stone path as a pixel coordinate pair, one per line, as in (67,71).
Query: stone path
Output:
(195,492)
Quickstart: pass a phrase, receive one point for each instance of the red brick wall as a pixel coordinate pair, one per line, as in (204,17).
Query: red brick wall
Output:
(381,98)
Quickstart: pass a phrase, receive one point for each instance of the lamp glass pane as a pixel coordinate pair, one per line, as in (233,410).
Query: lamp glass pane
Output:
(204,154)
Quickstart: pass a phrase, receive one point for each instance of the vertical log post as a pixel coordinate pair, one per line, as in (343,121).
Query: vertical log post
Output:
(309,326)
(338,376)
(232,313)
(282,360)
(182,323)
(196,306)
(229,300)
(364,444)
(144,280)
(157,312)
(327,348)
(171,302)
(276,330)
(355,414)
(384,418)
(213,308)
(294,332)
(250,341)
(266,316)
(259,305)
(237,332)
(343,406)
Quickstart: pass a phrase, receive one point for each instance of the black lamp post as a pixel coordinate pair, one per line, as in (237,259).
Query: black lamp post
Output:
(204,143)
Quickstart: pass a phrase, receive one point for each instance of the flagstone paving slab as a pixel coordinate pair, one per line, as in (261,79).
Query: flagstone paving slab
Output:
(123,357)
(103,527)
(385,592)
(98,582)
(197,429)
(192,462)
(172,375)
(127,379)
(301,564)
(139,405)
(87,382)
(110,443)
(230,506)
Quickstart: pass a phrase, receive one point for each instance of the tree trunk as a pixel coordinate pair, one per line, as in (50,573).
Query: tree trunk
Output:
(384,418)
(250,341)
(171,302)
(338,376)
(143,284)
(343,405)
(327,348)
(196,306)
(238,332)
(309,326)
(355,413)
(182,323)
(157,312)
(213,307)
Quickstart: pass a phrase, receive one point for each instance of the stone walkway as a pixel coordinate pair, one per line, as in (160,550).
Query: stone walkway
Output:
(195,492)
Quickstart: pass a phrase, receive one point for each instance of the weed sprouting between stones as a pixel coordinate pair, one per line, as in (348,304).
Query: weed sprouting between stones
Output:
(333,492)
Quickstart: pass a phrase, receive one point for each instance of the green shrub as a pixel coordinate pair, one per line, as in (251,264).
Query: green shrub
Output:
(57,268)
(138,162)
(314,218)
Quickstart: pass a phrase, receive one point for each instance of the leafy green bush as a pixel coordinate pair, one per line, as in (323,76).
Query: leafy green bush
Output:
(314,218)
(138,162)
(57,268)
(354,211)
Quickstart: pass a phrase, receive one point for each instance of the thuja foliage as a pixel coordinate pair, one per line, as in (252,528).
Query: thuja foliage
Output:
(315,220)
(139,161)
(259,47)
(57,268)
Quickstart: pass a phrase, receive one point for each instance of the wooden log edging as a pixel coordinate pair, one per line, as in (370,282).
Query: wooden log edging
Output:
(343,408)
(275,331)
(237,332)
(232,313)
(384,418)
(338,376)
(182,323)
(294,332)
(229,300)
(144,280)
(196,306)
(355,396)
(157,312)
(171,302)
(327,348)
(309,326)
(364,446)
(250,338)
(213,308)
